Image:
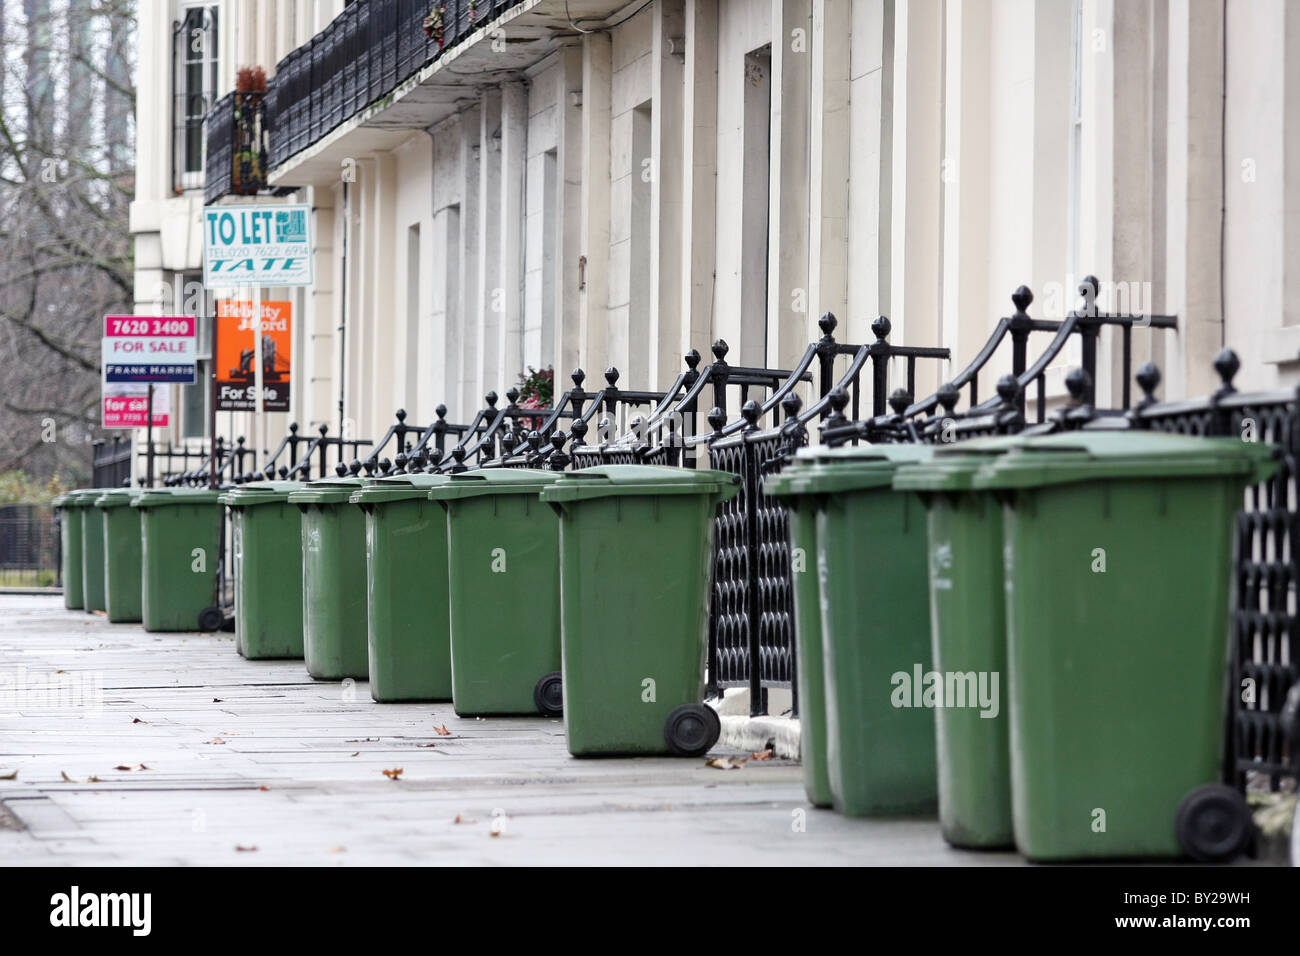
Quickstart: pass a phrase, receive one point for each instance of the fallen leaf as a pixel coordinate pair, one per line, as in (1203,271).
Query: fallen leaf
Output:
(460,819)
(67,779)
(725,763)
(134,766)
(137,720)
(60,672)
(12,775)
(336,849)
(357,754)
(263,788)
(92,779)
(427,745)
(394,773)
(761,755)
(245,849)
(442,731)
(216,700)
(494,833)
(214,740)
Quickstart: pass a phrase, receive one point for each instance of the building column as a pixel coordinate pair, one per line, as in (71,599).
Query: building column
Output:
(916,202)
(568,307)
(463,341)
(510,234)
(699,169)
(1194,198)
(828,182)
(594,311)
(871,163)
(787,218)
(667,136)
(491,293)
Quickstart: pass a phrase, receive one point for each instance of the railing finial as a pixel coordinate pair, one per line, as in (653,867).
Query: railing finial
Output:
(881,328)
(1227,365)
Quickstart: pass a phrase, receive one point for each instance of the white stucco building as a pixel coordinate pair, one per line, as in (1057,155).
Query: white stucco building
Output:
(594,182)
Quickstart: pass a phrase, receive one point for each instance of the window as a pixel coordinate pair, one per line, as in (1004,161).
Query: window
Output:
(195,84)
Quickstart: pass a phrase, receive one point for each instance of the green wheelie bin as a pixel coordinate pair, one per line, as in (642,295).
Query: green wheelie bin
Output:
(333,579)
(180,549)
(267,533)
(791,485)
(70,506)
(634,584)
(968,640)
(92,552)
(1118,575)
(504,592)
(874,596)
(122,554)
(407,620)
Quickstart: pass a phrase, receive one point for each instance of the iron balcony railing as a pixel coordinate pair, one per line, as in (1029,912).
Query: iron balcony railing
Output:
(362,56)
(238,146)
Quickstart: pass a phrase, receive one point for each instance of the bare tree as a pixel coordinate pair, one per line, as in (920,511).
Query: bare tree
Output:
(66,183)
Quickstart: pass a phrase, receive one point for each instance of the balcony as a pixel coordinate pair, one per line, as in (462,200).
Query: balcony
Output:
(237,146)
(367,52)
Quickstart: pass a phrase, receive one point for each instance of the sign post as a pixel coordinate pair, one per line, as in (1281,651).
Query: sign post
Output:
(253,246)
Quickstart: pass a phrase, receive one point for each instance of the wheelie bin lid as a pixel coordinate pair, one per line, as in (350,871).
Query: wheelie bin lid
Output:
(855,468)
(118,497)
(326,491)
(954,465)
(493,481)
(163,497)
(78,498)
(395,488)
(1114,455)
(260,493)
(617,481)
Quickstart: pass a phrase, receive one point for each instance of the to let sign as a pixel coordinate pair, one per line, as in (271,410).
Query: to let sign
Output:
(149,348)
(257,245)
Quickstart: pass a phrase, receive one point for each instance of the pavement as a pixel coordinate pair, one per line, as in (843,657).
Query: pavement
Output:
(171,749)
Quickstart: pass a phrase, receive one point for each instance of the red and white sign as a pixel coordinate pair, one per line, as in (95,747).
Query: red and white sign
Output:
(126,406)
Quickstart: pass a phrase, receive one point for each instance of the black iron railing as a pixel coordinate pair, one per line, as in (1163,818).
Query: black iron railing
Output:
(29,546)
(111,464)
(362,56)
(238,146)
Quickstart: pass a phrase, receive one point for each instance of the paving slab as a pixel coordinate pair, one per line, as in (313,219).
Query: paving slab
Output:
(235,762)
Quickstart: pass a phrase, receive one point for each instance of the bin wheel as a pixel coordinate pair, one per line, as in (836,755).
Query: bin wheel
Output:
(1213,823)
(548,695)
(211,619)
(692,729)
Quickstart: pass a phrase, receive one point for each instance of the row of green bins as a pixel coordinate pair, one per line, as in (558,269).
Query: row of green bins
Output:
(1118,549)
(634,577)
(180,541)
(122,554)
(504,590)
(70,549)
(333,534)
(267,533)
(407,617)
(93,597)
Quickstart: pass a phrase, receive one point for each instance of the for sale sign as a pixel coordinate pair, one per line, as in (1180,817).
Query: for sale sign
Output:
(257,245)
(127,406)
(149,348)
(236,354)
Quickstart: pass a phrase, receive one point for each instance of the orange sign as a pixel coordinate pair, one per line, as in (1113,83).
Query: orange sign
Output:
(236,372)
